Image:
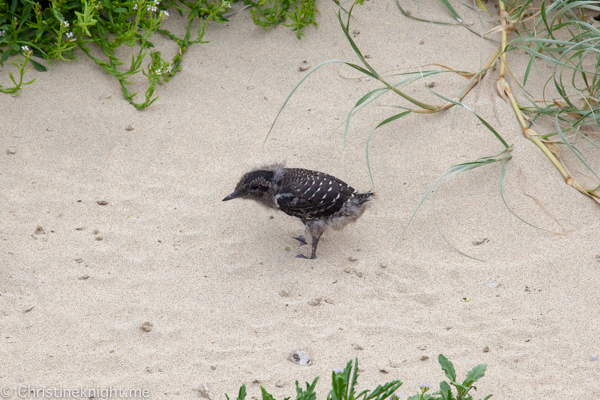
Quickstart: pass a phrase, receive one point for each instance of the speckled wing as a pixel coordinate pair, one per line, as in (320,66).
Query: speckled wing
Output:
(311,195)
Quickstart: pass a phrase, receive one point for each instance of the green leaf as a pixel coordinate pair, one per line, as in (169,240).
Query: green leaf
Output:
(393,118)
(484,122)
(38,66)
(445,391)
(3,58)
(346,29)
(120,10)
(266,395)
(447,367)
(351,390)
(84,22)
(454,13)
(360,69)
(460,387)
(309,393)
(475,374)
(366,96)
(242,393)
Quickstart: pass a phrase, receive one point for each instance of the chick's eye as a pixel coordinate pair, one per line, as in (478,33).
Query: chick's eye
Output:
(254,187)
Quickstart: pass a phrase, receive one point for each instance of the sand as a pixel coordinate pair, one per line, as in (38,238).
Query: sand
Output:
(221,300)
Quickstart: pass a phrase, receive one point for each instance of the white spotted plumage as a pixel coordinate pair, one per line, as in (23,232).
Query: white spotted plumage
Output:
(332,203)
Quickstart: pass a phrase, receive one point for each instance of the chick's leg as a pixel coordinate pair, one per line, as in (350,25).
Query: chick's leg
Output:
(313,255)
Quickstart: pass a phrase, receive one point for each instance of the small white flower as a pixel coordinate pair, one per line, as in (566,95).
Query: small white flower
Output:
(69,34)
(226,4)
(135,6)
(158,72)
(26,49)
(169,68)
(65,24)
(165,13)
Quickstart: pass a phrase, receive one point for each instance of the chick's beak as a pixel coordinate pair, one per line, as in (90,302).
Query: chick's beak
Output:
(232,196)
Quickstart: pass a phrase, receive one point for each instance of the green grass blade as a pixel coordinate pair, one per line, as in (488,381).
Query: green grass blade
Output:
(354,110)
(570,146)
(357,107)
(449,173)
(454,13)
(364,71)
(393,118)
(346,30)
(388,120)
(294,89)
(483,121)
(435,221)
(408,15)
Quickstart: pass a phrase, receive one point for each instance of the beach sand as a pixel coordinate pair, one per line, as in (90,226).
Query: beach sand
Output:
(223,302)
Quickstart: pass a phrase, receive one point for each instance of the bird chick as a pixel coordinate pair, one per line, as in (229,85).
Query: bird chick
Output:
(321,201)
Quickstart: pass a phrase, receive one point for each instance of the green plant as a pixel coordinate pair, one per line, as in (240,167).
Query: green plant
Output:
(577,57)
(412,105)
(22,68)
(559,33)
(577,110)
(419,107)
(344,381)
(462,389)
(55,29)
(273,12)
